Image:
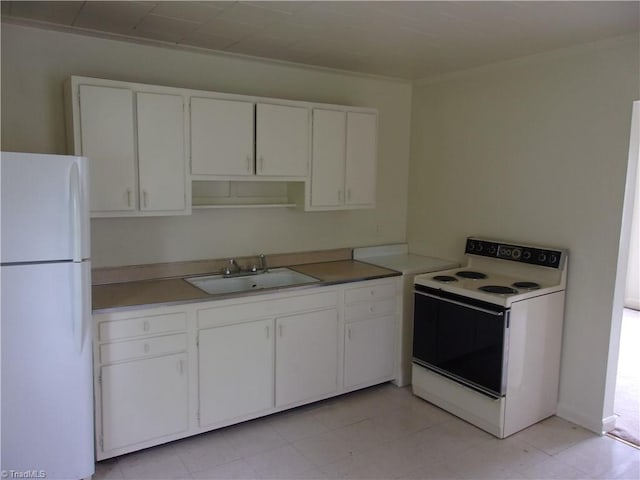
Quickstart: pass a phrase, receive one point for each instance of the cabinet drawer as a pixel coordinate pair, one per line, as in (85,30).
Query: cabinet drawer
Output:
(114,352)
(357,311)
(371,292)
(135,327)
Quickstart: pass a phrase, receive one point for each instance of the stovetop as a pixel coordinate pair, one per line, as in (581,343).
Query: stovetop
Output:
(492,276)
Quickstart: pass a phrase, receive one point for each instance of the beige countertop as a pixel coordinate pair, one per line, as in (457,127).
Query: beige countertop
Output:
(177,290)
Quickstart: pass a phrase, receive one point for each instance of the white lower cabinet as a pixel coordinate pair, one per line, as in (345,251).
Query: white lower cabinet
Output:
(141,371)
(371,315)
(143,400)
(369,350)
(306,356)
(235,371)
(164,373)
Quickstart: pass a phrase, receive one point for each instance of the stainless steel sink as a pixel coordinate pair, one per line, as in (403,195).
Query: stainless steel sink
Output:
(277,277)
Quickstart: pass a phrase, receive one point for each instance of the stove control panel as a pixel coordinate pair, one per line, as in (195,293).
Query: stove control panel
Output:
(515,253)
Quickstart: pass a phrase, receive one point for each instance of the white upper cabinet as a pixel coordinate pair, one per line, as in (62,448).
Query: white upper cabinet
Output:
(241,140)
(343,162)
(107,138)
(360,172)
(135,141)
(161,152)
(282,140)
(222,137)
(146,148)
(327,168)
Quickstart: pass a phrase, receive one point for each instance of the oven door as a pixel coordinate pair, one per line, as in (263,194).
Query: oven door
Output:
(461,338)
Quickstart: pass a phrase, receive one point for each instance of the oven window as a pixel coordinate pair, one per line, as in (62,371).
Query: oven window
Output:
(463,342)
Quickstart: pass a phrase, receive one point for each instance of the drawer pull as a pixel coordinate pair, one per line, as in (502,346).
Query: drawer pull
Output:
(147,348)
(181,367)
(372,292)
(349,335)
(146,326)
(372,309)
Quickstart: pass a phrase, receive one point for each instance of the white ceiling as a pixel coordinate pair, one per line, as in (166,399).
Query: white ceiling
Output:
(409,40)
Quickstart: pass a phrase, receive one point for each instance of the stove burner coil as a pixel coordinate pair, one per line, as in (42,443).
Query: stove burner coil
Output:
(471,274)
(498,289)
(527,285)
(445,278)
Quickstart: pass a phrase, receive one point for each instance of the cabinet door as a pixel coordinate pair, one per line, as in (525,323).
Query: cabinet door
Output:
(307,356)
(328,158)
(235,370)
(161,159)
(222,137)
(143,400)
(361,159)
(107,135)
(282,140)
(369,350)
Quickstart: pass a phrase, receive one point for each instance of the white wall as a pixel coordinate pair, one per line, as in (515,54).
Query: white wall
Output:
(535,150)
(36,62)
(632,287)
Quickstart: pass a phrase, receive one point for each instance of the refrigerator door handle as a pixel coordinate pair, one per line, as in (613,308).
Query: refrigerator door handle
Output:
(78,307)
(76,214)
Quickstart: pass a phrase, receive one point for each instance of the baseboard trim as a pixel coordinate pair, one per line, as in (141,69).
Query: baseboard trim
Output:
(600,427)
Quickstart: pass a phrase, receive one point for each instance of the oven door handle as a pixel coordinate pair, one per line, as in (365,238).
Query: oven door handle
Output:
(461,304)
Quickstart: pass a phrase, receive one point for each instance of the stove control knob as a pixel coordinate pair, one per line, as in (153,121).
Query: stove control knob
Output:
(516,253)
(479,247)
(542,257)
(492,249)
(553,259)
(526,255)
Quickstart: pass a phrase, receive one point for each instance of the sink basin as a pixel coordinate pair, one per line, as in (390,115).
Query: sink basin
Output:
(277,277)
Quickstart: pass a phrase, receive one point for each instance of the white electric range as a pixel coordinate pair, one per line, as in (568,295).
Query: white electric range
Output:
(487,336)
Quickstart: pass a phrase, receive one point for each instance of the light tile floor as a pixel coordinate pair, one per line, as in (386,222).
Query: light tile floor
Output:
(383,432)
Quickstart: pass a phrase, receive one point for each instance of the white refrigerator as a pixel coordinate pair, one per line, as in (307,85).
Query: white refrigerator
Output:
(45,324)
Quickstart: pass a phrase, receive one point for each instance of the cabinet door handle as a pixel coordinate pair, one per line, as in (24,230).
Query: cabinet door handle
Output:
(249,163)
(266,329)
(280,330)
(261,163)
(144,197)
(181,367)
(128,197)
(349,333)
(348,194)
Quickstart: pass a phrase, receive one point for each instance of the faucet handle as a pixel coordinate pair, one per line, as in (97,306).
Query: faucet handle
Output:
(263,262)
(231,268)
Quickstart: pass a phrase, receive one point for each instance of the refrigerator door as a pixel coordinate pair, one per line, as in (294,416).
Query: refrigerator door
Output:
(45,213)
(47,402)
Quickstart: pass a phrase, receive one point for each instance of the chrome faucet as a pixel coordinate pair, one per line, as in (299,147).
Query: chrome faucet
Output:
(263,263)
(235,270)
(232,268)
